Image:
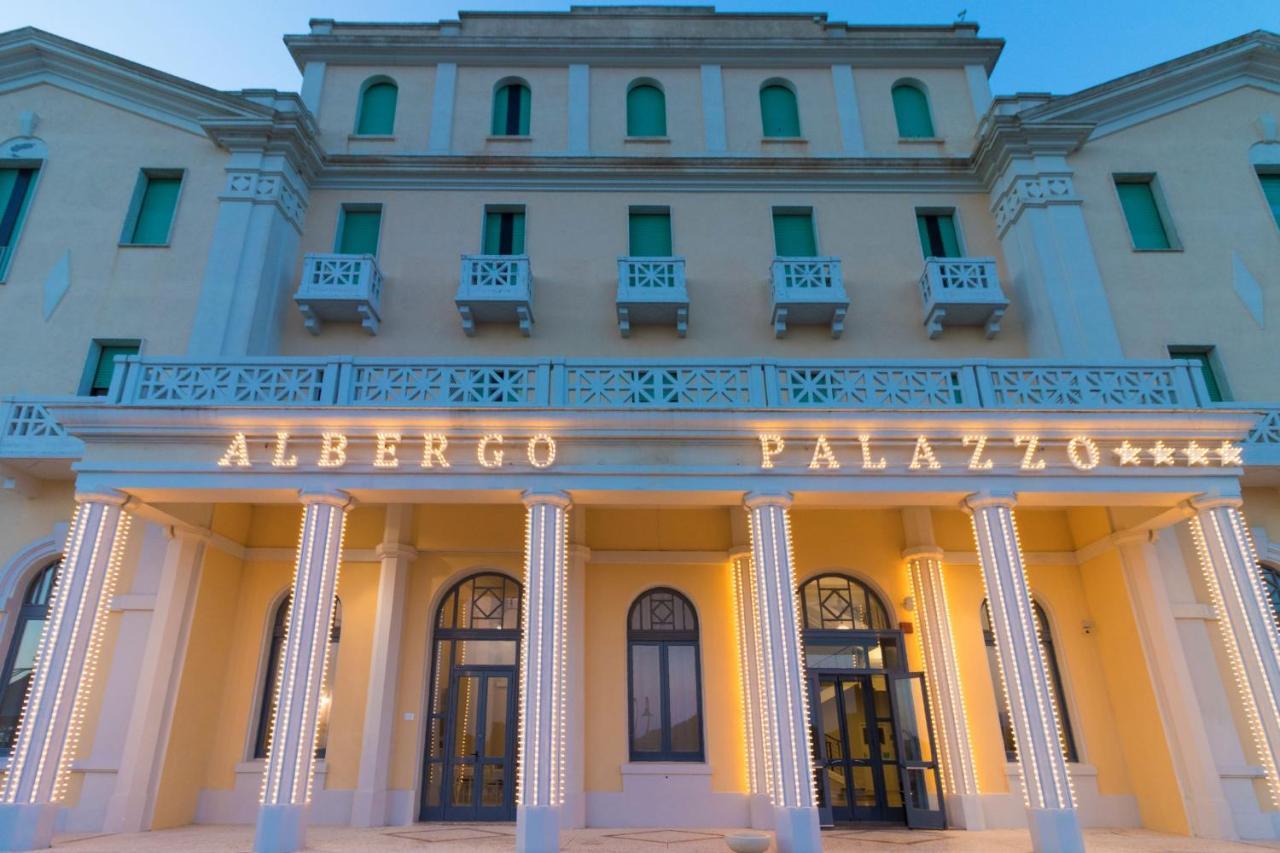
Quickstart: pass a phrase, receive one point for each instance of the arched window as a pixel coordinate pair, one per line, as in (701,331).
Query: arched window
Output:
(1055,676)
(511,110)
(911,109)
(1271,586)
(665,678)
(267,691)
(841,603)
(778,111)
(22,653)
(646,110)
(377,113)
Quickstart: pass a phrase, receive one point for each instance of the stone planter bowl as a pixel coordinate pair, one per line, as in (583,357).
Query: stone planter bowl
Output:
(747,842)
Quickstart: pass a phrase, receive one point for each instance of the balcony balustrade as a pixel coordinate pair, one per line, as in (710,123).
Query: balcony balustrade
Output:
(962,292)
(808,291)
(652,291)
(340,289)
(495,289)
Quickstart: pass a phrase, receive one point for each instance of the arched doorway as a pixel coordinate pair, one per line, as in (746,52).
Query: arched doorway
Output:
(872,739)
(469,771)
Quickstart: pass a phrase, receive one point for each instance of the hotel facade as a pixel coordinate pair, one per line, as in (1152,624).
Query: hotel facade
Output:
(639,417)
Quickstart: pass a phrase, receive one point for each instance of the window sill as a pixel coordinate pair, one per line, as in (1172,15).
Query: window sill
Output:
(783,140)
(492,138)
(920,140)
(666,768)
(164,245)
(371,137)
(1171,249)
(647,140)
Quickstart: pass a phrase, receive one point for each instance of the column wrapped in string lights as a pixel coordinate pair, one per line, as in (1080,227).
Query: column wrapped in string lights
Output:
(304,662)
(750,662)
(540,779)
(946,693)
(1245,618)
(783,697)
(65,659)
(1024,675)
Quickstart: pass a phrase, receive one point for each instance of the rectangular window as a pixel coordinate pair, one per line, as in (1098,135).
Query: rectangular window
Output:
(358,229)
(649,233)
(1270,188)
(1204,358)
(15,196)
(1140,201)
(793,235)
(503,231)
(102,364)
(155,198)
(938,235)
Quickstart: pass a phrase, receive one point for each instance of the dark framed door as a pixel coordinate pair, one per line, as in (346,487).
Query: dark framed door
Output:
(856,750)
(921,791)
(479,765)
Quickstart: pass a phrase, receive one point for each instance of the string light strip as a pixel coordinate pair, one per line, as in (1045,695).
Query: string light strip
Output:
(738,569)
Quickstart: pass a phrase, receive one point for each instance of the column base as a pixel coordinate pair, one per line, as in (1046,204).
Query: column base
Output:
(760,810)
(281,829)
(964,811)
(537,829)
(1055,831)
(797,830)
(25,826)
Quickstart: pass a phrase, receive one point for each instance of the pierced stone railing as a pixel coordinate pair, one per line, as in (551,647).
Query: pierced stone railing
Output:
(340,288)
(652,291)
(962,292)
(808,291)
(495,289)
(28,430)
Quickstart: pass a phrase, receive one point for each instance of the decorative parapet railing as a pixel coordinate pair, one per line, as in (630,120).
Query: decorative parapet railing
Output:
(495,289)
(808,291)
(651,291)
(27,430)
(962,292)
(340,288)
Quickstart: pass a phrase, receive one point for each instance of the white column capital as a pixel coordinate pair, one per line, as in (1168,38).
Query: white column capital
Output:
(739,552)
(329,497)
(985,499)
(552,497)
(925,551)
(754,500)
(111,497)
(1137,536)
(1214,500)
(395,550)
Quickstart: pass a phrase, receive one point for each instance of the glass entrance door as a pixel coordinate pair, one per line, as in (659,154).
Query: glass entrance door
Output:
(919,762)
(856,749)
(479,768)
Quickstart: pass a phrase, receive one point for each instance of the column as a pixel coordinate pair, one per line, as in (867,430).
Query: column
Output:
(942,671)
(54,708)
(290,765)
(575,805)
(784,699)
(1248,627)
(395,555)
(1046,784)
(750,663)
(540,784)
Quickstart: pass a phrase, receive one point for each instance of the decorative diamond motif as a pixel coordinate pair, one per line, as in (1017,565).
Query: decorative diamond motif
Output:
(431,385)
(675,387)
(1087,387)
(871,387)
(222,384)
(666,836)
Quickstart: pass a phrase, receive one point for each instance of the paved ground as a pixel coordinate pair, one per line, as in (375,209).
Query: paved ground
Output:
(478,838)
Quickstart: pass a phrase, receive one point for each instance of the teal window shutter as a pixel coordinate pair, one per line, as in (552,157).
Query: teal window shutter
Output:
(793,235)
(511,105)
(1202,359)
(15,194)
(938,235)
(778,112)
(106,366)
(155,211)
(650,235)
(911,109)
(1270,188)
(646,111)
(377,109)
(504,232)
(1140,211)
(359,234)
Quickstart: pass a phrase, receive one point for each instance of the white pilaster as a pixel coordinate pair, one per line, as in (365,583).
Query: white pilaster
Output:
(942,671)
(750,663)
(979,88)
(440,134)
(1248,627)
(1028,693)
(847,110)
(304,659)
(65,659)
(312,86)
(579,109)
(575,795)
(540,785)
(713,121)
(395,555)
(784,698)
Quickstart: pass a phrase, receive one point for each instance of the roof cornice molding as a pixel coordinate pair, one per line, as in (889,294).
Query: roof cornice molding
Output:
(1003,139)
(290,132)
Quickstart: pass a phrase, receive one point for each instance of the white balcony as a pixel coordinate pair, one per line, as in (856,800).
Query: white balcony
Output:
(962,292)
(808,291)
(340,289)
(652,291)
(495,289)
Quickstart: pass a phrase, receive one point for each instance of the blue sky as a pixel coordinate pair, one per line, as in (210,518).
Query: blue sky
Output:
(1053,45)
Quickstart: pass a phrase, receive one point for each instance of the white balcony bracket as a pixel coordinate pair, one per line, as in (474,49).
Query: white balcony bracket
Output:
(652,291)
(495,289)
(341,289)
(962,292)
(808,291)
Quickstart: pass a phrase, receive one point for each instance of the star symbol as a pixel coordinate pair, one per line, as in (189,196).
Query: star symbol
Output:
(1128,453)
(1196,455)
(1161,453)
(1230,454)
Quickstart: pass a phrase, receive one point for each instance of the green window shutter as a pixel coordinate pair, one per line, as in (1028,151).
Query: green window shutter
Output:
(517,233)
(106,366)
(503,232)
(1145,225)
(778,112)
(15,195)
(155,211)
(1270,188)
(378,110)
(499,125)
(938,235)
(793,235)
(511,111)
(650,235)
(1206,370)
(911,109)
(522,128)
(359,232)
(646,111)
